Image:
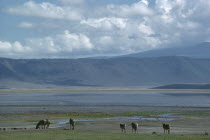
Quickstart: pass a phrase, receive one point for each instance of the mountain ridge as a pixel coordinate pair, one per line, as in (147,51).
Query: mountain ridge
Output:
(184,86)
(201,50)
(124,71)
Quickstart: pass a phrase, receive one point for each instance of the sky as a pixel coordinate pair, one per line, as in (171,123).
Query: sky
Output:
(89,28)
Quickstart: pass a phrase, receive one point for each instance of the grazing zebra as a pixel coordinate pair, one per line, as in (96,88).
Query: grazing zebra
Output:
(134,127)
(40,123)
(71,123)
(43,124)
(166,127)
(123,126)
(47,123)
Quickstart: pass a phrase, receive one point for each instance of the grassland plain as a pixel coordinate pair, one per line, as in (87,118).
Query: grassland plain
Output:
(69,135)
(78,115)
(183,128)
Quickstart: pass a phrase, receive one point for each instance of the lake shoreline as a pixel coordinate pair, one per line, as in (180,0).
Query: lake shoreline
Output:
(22,110)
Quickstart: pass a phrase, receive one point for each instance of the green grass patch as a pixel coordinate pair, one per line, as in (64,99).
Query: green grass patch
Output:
(97,114)
(195,114)
(67,135)
(18,120)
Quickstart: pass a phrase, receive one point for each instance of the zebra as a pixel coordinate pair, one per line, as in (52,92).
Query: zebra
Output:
(122,127)
(47,123)
(166,127)
(40,123)
(43,123)
(134,127)
(71,123)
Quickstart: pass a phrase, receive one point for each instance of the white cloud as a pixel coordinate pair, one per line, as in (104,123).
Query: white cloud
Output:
(72,2)
(188,25)
(65,43)
(61,45)
(15,49)
(106,23)
(145,2)
(45,10)
(73,42)
(106,40)
(164,5)
(146,34)
(136,9)
(25,25)
(145,29)
(181,21)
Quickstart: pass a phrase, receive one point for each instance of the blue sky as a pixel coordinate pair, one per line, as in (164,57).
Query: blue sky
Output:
(83,28)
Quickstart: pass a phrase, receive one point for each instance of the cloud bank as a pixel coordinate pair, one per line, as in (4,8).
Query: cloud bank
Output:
(45,10)
(110,29)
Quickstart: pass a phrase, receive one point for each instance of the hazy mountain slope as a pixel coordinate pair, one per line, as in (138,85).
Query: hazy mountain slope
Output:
(198,51)
(184,86)
(107,72)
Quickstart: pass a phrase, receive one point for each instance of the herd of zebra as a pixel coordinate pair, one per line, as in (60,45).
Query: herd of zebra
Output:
(44,124)
(166,127)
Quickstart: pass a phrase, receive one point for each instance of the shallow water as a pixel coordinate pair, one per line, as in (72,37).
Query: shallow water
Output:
(162,117)
(141,99)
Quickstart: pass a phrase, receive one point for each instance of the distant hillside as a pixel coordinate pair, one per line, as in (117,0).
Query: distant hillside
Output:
(103,72)
(185,86)
(198,51)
